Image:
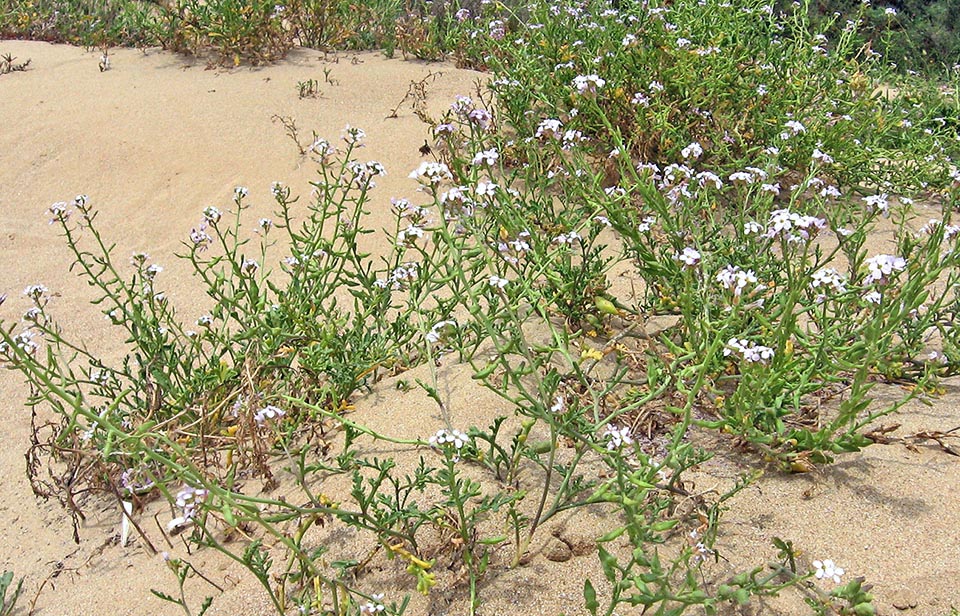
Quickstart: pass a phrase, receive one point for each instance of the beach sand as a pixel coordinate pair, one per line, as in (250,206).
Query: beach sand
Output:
(159,137)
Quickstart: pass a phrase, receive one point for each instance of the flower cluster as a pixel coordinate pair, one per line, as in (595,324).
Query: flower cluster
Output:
(188,500)
(550,129)
(375,605)
(431,173)
(828,277)
(617,437)
(795,227)
(827,570)
(749,351)
(881,267)
(511,250)
(400,277)
(588,84)
(736,279)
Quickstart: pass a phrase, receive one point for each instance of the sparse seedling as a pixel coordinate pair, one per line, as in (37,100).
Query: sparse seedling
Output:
(9,64)
(308,89)
(8,602)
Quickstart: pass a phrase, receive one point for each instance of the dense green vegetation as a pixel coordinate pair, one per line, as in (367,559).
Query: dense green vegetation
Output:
(737,157)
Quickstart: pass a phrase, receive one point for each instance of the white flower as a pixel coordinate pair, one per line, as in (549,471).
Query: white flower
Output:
(617,437)
(321,147)
(59,210)
(431,173)
(449,437)
(497,282)
(549,129)
(240,192)
(188,498)
(694,150)
(376,605)
(752,228)
(36,292)
(440,331)
(878,203)
(486,157)
(795,127)
(485,189)
(708,177)
(559,405)
(353,135)
(880,267)
(827,570)
(588,84)
(873,297)
(828,277)
(567,238)
(409,235)
(822,156)
(152,271)
(212,215)
(749,351)
(249,266)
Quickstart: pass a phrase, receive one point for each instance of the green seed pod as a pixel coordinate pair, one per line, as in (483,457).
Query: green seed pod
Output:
(864,609)
(604,305)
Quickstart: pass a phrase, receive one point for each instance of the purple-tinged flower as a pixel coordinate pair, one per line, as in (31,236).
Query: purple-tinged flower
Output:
(59,211)
(480,117)
(690,257)
(200,238)
(881,267)
(736,279)
(268,413)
